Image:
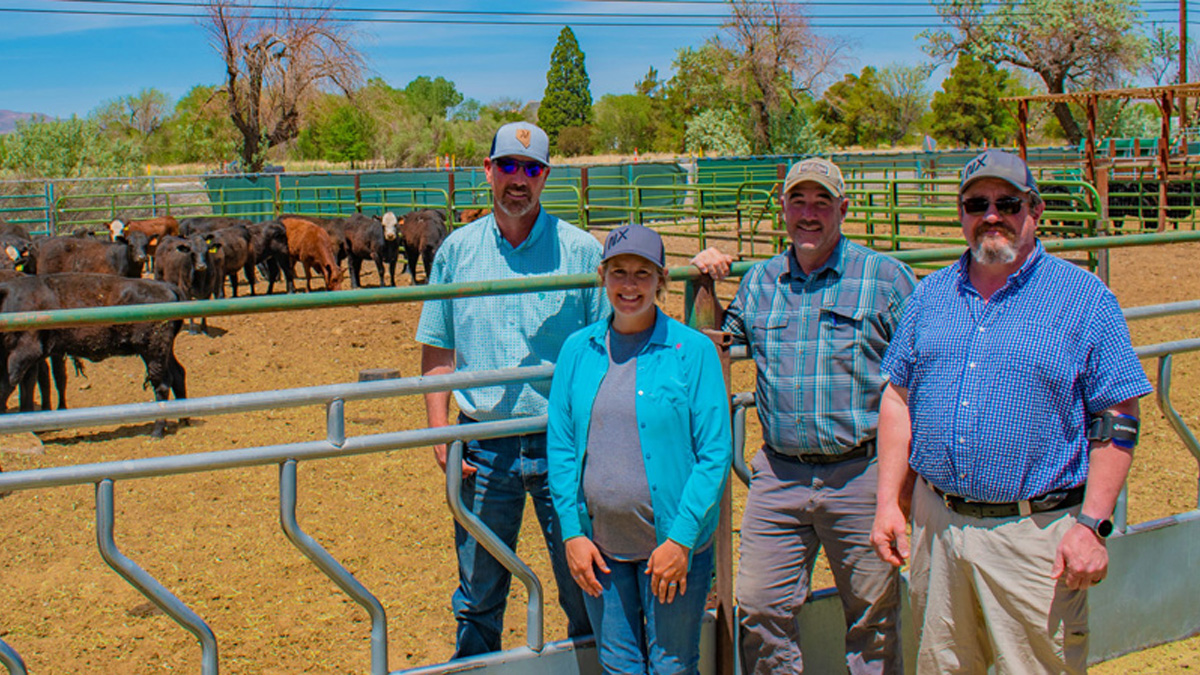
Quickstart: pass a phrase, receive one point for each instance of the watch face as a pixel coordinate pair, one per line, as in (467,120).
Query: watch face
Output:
(1104,528)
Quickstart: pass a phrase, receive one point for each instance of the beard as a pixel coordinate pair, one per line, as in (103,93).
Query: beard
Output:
(515,208)
(993,250)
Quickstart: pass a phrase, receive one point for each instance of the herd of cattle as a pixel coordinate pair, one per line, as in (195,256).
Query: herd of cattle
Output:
(190,259)
(1126,199)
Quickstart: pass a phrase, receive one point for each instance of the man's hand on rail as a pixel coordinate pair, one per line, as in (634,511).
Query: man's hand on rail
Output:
(713,262)
(439,453)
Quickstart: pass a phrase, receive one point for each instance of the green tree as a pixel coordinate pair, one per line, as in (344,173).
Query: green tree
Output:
(905,90)
(716,132)
(1067,43)
(624,123)
(337,131)
(776,56)
(432,97)
(199,129)
(967,110)
(70,148)
(857,111)
(567,101)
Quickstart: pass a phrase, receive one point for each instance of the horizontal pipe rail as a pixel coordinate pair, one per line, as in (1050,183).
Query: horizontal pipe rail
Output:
(66,318)
(266,400)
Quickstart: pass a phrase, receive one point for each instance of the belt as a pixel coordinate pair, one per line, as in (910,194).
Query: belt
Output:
(866,450)
(1051,501)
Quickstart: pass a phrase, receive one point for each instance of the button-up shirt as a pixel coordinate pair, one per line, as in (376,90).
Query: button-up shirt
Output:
(506,331)
(1000,391)
(817,341)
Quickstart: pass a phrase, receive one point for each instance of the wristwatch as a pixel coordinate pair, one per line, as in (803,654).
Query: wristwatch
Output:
(1102,527)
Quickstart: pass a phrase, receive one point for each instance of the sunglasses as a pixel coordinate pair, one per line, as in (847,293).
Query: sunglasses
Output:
(510,166)
(977,206)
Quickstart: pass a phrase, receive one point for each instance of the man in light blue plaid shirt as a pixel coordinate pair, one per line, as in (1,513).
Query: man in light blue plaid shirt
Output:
(519,240)
(999,366)
(817,319)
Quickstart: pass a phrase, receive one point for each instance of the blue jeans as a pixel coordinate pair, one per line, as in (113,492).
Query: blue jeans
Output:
(507,469)
(635,633)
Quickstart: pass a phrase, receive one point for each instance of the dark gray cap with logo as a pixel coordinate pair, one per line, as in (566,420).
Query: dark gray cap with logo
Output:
(999,164)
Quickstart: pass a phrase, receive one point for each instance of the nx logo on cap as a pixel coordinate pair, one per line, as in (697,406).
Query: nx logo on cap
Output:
(975,165)
(524,137)
(616,237)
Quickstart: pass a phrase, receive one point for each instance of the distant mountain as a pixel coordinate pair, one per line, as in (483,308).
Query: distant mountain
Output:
(9,119)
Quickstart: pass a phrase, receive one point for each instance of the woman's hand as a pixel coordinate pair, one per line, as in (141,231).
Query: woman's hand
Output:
(583,558)
(668,567)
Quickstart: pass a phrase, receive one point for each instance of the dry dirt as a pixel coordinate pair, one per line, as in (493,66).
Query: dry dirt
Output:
(214,538)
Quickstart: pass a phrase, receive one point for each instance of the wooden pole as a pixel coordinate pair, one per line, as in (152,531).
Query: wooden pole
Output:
(1166,105)
(1090,141)
(705,313)
(1023,128)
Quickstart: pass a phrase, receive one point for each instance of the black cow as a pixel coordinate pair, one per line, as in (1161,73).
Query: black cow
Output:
(366,240)
(184,264)
(190,226)
(423,232)
(125,257)
(269,249)
(154,341)
(233,252)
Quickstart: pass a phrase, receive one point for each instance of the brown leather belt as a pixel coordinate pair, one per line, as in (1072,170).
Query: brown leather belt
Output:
(867,449)
(1051,501)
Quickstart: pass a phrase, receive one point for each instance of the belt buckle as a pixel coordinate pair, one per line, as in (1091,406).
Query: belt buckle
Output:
(948,502)
(1024,508)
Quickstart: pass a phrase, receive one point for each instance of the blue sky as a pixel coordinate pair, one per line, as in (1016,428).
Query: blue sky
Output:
(64,64)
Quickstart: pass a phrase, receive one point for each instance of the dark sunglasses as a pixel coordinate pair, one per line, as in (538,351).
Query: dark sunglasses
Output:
(977,206)
(510,166)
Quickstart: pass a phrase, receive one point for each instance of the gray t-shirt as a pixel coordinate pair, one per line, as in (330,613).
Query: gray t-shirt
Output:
(614,474)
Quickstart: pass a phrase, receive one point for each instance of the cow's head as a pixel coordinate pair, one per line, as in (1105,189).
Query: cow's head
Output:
(116,229)
(137,243)
(390,223)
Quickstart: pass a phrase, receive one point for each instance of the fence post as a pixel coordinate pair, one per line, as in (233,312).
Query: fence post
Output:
(584,196)
(1101,256)
(704,312)
(450,215)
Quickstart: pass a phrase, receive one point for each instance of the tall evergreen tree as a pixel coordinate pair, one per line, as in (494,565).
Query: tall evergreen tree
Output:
(567,101)
(967,111)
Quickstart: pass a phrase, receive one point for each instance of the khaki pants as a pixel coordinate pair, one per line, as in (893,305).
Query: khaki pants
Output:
(982,593)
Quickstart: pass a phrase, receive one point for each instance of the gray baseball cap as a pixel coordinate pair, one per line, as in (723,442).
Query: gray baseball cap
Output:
(999,164)
(521,139)
(637,240)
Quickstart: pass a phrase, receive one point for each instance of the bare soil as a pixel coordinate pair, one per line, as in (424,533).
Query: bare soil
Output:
(214,539)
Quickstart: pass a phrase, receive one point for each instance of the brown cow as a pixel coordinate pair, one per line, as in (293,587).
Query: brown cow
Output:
(312,247)
(154,229)
(469,215)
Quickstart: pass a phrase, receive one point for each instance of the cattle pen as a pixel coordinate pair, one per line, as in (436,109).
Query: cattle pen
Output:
(1128,614)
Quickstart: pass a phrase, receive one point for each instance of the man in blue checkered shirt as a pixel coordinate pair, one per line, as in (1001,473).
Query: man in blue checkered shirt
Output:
(1007,428)
(817,319)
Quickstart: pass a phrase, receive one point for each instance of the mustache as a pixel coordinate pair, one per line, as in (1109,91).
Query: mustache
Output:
(982,227)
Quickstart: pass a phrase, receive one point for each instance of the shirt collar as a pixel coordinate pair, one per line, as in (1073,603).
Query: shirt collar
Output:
(537,231)
(1016,279)
(836,263)
(658,336)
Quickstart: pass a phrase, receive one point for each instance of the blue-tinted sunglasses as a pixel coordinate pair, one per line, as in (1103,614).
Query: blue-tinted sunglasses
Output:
(510,166)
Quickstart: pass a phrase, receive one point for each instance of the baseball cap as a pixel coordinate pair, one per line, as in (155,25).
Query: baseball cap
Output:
(637,240)
(999,164)
(521,139)
(820,171)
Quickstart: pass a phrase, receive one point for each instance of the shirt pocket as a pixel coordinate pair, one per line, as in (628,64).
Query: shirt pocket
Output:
(842,333)
(776,343)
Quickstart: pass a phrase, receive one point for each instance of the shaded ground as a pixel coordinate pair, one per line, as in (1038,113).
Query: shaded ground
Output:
(214,538)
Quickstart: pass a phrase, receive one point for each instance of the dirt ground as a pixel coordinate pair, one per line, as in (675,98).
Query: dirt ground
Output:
(214,540)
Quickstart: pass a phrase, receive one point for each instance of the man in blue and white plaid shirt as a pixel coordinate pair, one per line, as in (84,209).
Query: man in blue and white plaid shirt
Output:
(1008,427)
(817,319)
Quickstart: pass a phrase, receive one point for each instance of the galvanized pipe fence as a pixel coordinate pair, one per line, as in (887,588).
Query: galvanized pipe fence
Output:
(336,444)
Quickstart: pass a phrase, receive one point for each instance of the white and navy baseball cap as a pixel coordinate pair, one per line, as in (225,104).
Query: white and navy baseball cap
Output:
(521,139)
(1006,166)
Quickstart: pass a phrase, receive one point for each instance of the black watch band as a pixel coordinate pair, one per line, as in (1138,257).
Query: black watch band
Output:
(1102,527)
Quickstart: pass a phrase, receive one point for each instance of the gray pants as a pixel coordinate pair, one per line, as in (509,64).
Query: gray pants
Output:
(793,509)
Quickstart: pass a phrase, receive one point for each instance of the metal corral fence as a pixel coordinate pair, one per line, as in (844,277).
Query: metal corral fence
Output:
(1126,613)
(723,197)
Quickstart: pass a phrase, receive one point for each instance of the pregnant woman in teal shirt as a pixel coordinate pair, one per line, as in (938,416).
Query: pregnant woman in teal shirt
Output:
(638,452)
